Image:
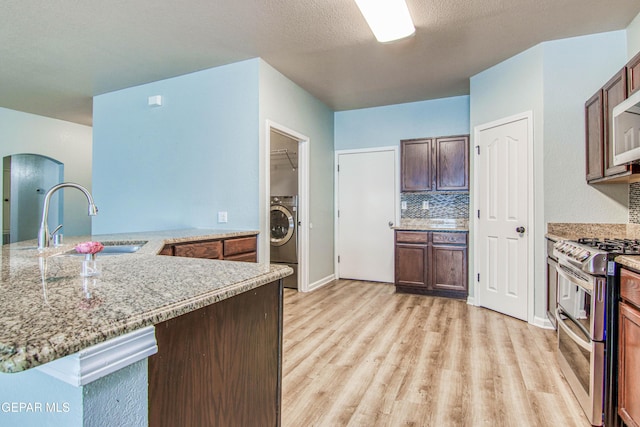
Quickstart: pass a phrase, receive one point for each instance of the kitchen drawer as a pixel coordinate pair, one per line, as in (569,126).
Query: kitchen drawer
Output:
(450,238)
(239,246)
(412,237)
(246,257)
(630,286)
(211,250)
(166,250)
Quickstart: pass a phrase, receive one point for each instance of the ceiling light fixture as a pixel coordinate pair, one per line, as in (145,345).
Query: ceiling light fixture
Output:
(388,19)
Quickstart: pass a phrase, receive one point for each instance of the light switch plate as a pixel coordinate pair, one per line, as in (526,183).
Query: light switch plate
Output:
(222,216)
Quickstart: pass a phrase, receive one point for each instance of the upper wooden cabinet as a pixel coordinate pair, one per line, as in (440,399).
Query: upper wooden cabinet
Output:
(633,75)
(595,137)
(599,127)
(613,93)
(435,164)
(417,164)
(452,163)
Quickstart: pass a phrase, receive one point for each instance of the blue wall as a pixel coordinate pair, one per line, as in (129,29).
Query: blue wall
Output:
(595,58)
(553,80)
(287,104)
(633,37)
(177,165)
(60,403)
(386,126)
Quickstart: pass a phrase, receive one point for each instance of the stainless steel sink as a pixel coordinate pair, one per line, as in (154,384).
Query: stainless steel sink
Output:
(111,248)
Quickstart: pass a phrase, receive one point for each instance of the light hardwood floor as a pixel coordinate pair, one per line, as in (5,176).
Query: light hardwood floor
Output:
(358,354)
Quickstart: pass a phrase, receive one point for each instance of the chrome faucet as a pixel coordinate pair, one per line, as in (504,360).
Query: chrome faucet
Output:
(43,233)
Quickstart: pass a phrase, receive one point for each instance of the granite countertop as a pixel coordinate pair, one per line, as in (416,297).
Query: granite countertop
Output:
(573,231)
(630,261)
(407,224)
(48,311)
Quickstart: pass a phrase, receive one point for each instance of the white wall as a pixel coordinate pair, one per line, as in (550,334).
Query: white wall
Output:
(69,143)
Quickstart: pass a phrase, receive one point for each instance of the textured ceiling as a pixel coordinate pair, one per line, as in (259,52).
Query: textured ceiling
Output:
(57,54)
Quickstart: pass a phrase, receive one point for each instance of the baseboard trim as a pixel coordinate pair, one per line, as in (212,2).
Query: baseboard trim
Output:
(542,322)
(102,359)
(320,283)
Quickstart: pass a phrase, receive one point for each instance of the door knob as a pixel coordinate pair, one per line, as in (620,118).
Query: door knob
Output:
(520,230)
(390,224)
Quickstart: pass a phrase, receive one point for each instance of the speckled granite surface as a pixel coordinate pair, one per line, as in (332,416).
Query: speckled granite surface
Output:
(48,311)
(630,261)
(432,224)
(575,230)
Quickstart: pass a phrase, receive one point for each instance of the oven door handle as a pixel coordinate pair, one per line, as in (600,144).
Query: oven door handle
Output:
(566,274)
(561,322)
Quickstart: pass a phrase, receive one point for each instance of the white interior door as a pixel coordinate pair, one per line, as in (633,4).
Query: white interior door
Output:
(367,192)
(502,223)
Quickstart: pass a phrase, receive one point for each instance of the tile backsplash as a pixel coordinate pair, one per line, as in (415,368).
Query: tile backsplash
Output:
(634,203)
(441,205)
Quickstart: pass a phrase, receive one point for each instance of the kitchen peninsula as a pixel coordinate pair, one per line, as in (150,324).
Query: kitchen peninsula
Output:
(220,322)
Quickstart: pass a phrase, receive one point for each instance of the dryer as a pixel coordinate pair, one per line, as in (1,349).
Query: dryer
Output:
(284,235)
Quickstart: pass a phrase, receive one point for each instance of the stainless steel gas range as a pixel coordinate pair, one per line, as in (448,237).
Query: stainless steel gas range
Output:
(586,331)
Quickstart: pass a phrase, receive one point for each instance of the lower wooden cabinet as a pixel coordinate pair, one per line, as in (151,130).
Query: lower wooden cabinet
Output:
(411,265)
(432,263)
(232,249)
(629,349)
(220,365)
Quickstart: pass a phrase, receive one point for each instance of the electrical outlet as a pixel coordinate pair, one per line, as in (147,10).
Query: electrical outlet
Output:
(425,204)
(403,205)
(222,216)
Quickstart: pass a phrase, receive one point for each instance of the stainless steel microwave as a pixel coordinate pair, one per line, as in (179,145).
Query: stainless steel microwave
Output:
(626,130)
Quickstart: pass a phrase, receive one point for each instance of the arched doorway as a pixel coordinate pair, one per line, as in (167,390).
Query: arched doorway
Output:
(26,179)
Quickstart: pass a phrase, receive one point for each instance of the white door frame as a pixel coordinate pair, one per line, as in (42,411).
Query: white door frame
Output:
(303,200)
(336,238)
(528,115)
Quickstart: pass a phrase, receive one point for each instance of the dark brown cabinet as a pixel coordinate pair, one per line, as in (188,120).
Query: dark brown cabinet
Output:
(633,75)
(629,349)
(232,249)
(435,164)
(452,163)
(599,127)
(220,365)
(431,263)
(412,258)
(416,165)
(613,93)
(595,137)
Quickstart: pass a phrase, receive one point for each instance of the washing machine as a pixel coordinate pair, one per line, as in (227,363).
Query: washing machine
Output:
(284,235)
